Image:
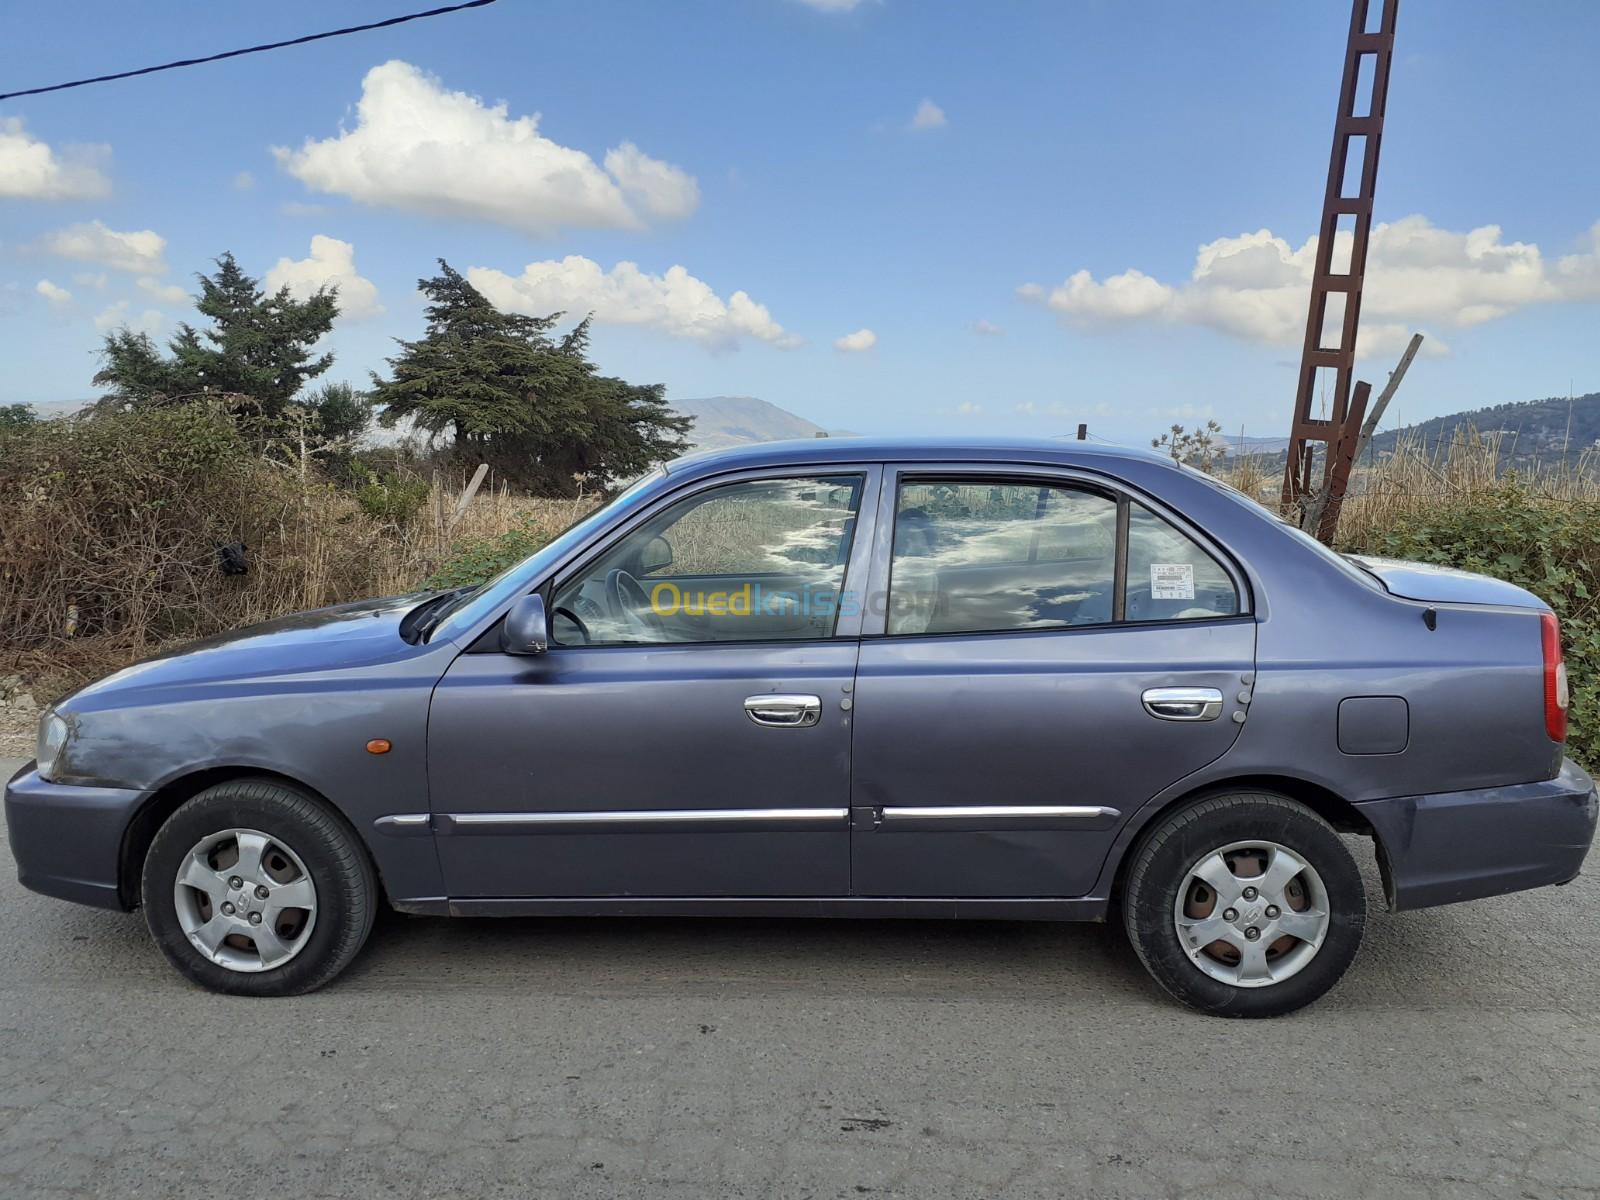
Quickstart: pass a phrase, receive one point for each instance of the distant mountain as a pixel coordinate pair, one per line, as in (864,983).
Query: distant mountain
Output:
(1534,431)
(723,421)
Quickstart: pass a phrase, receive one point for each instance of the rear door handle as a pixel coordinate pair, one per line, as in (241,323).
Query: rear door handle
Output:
(795,712)
(1183,703)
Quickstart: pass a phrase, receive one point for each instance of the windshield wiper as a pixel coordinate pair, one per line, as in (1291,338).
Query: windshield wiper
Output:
(425,617)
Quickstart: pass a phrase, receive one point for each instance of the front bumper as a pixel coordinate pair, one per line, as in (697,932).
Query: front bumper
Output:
(68,840)
(1452,846)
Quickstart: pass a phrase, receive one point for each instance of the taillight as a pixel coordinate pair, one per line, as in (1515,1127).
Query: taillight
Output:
(1555,679)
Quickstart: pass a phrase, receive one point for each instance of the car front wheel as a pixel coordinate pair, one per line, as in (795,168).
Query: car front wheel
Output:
(254,888)
(1245,905)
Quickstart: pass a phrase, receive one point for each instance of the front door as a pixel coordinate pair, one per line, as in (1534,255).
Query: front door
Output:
(1054,654)
(684,733)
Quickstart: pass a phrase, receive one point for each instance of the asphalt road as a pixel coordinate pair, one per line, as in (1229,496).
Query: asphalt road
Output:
(518,1058)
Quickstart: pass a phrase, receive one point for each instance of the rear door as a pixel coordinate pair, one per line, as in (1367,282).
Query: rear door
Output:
(1047,653)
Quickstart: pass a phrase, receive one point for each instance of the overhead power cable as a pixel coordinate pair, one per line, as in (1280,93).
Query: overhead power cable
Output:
(299,41)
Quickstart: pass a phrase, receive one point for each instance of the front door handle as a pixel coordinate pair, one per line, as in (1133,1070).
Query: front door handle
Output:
(793,712)
(1183,703)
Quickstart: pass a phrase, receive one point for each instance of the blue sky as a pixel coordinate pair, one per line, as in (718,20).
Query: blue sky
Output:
(773,148)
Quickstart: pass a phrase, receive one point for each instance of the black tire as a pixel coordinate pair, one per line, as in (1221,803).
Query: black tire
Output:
(336,862)
(1162,863)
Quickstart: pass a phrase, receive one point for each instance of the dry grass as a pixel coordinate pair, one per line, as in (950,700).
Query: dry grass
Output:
(1415,481)
(417,550)
(86,588)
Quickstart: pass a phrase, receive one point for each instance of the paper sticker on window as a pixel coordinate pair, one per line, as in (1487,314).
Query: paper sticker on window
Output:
(1172,581)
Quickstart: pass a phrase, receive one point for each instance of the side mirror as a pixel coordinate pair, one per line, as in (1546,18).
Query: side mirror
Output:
(657,553)
(526,629)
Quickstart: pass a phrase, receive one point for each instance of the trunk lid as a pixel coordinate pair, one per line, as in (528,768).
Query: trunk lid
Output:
(1445,585)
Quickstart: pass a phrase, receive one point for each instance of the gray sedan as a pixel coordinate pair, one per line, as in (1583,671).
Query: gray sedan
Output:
(850,678)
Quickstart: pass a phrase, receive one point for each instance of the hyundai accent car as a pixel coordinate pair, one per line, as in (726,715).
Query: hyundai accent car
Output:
(1039,680)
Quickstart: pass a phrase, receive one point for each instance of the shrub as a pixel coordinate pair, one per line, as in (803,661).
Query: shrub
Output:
(478,559)
(392,497)
(1551,546)
(112,525)
(16,416)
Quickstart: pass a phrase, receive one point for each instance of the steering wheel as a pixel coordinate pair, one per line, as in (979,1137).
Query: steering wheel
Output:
(577,621)
(626,598)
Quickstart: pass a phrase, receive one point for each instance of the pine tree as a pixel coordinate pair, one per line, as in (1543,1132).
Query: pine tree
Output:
(257,346)
(507,394)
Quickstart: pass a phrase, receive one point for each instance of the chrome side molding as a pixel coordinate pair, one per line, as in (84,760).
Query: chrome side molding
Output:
(405,825)
(662,820)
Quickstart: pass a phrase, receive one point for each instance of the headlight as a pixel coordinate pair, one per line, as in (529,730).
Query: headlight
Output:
(52,736)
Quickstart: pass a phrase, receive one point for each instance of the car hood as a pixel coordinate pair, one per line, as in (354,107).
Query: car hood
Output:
(325,639)
(1445,585)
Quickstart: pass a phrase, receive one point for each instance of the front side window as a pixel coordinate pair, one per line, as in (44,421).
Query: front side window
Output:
(993,557)
(755,561)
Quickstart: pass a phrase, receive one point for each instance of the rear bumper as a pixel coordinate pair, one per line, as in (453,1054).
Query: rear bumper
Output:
(1452,846)
(68,840)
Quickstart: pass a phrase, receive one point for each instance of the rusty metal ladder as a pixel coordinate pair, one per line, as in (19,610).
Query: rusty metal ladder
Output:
(1352,182)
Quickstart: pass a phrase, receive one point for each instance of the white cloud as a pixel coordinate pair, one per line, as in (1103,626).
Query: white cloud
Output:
(92,279)
(166,293)
(31,170)
(117,316)
(139,252)
(987,329)
(658,188)
(928,116)
(832,6)
(1256,286)
(858,342)
(244,181)
(968,408)
(52,292)
(674,303)
(332,262)
(421,148)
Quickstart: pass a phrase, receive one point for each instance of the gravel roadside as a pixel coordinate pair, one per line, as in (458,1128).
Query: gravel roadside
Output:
(18,729)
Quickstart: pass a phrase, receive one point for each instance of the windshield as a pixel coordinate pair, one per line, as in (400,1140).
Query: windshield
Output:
(468,609)
(1353,569)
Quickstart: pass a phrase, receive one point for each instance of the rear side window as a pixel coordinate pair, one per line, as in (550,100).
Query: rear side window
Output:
(995,556)
(973,556)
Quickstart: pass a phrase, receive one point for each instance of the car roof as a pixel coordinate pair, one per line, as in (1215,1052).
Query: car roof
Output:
(926,449)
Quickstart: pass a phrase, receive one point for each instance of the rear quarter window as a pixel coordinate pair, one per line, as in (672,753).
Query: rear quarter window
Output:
(1170,576)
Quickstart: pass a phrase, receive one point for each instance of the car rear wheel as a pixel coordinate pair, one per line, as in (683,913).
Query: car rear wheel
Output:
(1245,905)
(255,888)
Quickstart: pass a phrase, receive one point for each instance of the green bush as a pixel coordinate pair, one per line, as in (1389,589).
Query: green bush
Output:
(479,559)
(1550,548)
(389,496)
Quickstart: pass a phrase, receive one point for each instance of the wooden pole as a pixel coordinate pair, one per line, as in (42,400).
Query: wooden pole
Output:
(1389,389)
(466,498)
